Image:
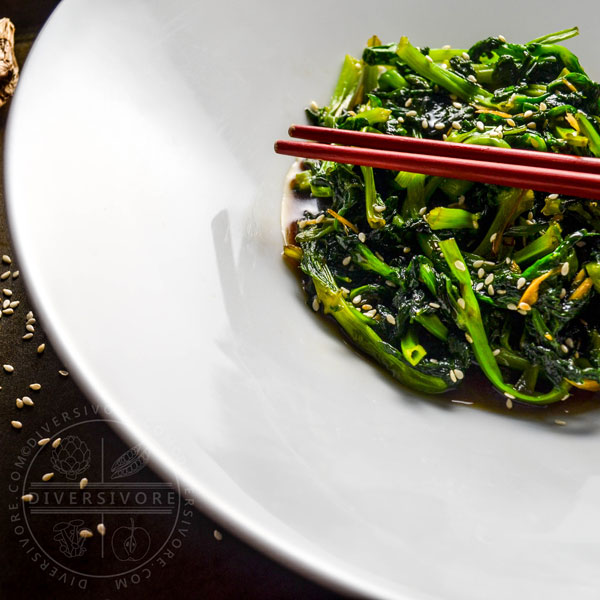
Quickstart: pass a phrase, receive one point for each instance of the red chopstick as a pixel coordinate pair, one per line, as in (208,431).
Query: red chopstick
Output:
(558,173)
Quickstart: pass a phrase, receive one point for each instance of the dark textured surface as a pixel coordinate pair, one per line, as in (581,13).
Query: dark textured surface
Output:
(156,544)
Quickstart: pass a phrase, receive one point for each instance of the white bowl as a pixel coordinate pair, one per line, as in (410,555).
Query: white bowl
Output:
(144,202)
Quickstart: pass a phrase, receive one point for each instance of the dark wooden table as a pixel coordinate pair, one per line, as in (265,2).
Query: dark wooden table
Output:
(157,544)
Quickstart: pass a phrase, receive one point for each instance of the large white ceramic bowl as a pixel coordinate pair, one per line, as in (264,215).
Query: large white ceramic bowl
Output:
(144,202)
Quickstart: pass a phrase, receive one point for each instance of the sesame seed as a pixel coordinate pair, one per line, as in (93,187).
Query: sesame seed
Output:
(16,424)
(480,125)
(19,403)
(14,304)
(6,303)
(5,275)
(521,282)
(6,259)
(511,306)
(522,312)
(457,105)
(411,113)
(472,78)
(477,264)
(564,349)
(47,476)
(345,291)
(434,305)
(481,273)
(408,103)
(564,270)
(320,218)
(562,294)
(424,124)
(531,125)
(444,137)
(552,196)
(543,106)
(43,441)
(101,528)
(496,352)
(453,376)
(390,319)
(493,237)
(315,304)
(569,342)
(41,348)
(29,315)
(456,125)
(439,126)
(16,274)
(423,210)
(390,283)
(346,261)
(362,237)
(489,263)
(314,105)
(509,395)
(366,307)
(8,368)
(356,299)
(27,497)
(479,286)
(524,306)
(30,328)
(406,249)
(8,311)
(560,422)
(465,55)
(429,58)
(460,265)
(527,114)
(371,313)
(27,336)
(459,374)
(509,403)
(489,279)
(379,208)
(66,373)
(217,535)
(85,533)
(502,39)
(7,292)
(35,387)
(30,321)
(511,122)
(500,292)
(27,400)
(490,290)
(461,302)
(565,397)
(468,338)
(56,442)
(83,482)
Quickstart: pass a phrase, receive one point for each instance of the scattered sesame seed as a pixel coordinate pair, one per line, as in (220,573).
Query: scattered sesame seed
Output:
(41,348)
(8,311)
(47,476)
(489,263)
(424,124)
(423,210)
(85,533)
(434,305)
(30,328)
(564,270)
(466,56)
(30,321)
(356,299)
(43,441)
(66,373)
(500,292)
(390,319)
(472,78)
(453,376)
(314,105)
(6,303)
(406,249)
(481,273)
(27,401)
(457,105)
(345,291)
(14,304)
(521,282)
(502,39)
(527,114)
(390,283)
(480,125)
(444,137)
(543,106)
(565,397)
(524,306)
(362,237)
(366,307)
(408,103)
(511,306)
(490,290)
(29,315)
(531,125)
(320,218)
(379,208)
(569,342)
(411,113)
(347,261)
(16,424)
(460,265)
(493,237)
(559,422)
(461,302)
(6,259)
(439,126)
(83,482)
(19,403)
(468,338)
(509,403)
(101,528)
(479,286)
(7,292)
(562,294)
(27,336)
(5,275)
(371,313)
(509,395)
(27,497)
(429,58)
(552,196)
(477,264)
(456,125)
(489,279)
(8,368)
(496,352)
(218,535)
(459,374)
(521,311)
(315,304)
(511,122)
(564,349)
(35,387)
(56,442)
(16,274)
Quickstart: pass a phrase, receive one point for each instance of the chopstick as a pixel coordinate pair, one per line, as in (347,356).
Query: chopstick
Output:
(548,172)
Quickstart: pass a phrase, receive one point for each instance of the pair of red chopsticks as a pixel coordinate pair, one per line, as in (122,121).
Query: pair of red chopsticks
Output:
(548,172)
